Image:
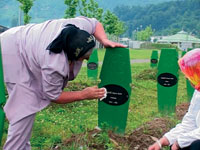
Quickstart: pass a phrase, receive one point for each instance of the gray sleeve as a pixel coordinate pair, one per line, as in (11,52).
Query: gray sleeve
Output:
(84,23)
(54,70)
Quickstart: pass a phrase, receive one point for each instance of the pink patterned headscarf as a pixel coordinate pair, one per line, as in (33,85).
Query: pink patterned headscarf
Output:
(190,66)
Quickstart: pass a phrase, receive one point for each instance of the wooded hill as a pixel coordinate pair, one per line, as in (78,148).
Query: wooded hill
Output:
(111,4)
(166,18)
(49,9)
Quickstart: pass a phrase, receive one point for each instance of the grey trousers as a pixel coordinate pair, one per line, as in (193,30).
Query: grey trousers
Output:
(19,134)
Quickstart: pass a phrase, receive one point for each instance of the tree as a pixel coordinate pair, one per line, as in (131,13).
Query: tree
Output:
(25,7)
(112,24)
(71,10)
(164,17)
(91,9)
(145,35)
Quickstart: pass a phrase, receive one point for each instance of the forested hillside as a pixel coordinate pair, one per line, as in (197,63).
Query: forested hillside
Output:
(42,10)
(166,18)
(50,9)
(110,4)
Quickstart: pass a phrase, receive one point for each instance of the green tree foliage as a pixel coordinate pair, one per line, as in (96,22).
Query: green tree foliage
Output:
(165,18)
(91,9)
(25,7)
(111,4)
(112,24)
(145,35)
(71,8)
(43,10)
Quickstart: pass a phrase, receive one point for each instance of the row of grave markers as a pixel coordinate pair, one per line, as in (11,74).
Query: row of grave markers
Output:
(115,76)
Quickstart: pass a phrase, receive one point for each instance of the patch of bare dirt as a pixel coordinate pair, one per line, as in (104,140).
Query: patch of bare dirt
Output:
(181,110)
(139,139)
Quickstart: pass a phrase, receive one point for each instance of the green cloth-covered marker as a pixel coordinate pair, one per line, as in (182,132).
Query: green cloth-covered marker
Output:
(116,78)
(190,89)
(154,59)
(92,65)
(167,80)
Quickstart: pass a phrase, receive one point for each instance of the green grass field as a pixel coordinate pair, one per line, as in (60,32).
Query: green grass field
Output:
(58,122)
(134,54)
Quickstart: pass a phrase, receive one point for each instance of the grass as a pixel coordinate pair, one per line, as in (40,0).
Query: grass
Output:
(140,54)
(56,123)
(134,54)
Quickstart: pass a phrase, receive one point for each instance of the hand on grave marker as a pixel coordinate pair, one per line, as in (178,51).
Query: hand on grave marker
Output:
(101,36)
(93,92)
(108,43)
(105,94)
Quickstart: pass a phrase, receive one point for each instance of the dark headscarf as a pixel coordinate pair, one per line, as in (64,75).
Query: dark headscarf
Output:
(75,42)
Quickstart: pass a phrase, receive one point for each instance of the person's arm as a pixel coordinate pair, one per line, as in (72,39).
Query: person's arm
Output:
(100,35)
(185,132)
(87,93)
(159,144)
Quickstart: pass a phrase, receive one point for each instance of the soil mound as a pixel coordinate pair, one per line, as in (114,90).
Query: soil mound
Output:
(139,139)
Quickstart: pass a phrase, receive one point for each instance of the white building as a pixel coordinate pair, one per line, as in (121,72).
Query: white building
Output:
(182,39)
(130,43)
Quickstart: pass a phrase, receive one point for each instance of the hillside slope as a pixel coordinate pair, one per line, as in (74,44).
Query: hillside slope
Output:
(50,9)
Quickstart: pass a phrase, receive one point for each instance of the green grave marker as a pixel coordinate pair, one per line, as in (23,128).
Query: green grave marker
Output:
(190,89)
(92,65)
(167,80)
(116,78)
(2,98)
(183,53)
(189,49)
(154,59)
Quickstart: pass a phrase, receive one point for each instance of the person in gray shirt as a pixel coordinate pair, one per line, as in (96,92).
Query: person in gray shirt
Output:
(38,61)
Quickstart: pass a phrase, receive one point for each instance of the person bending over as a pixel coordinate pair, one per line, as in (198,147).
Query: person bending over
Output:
(38,61)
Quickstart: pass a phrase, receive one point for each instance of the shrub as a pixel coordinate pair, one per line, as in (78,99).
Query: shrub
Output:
(148,45)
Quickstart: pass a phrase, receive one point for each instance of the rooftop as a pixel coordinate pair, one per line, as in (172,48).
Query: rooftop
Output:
(181,36)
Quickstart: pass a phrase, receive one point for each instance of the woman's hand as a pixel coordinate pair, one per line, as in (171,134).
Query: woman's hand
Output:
(93,92)
(155,146)
(175,146)
(158,145)
(108,43)
(100,35)
(72,96)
